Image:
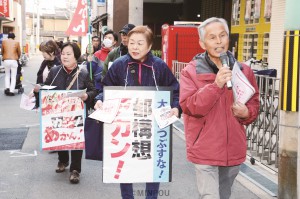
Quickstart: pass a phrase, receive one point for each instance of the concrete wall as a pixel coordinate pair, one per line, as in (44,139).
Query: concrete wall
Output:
(277,35)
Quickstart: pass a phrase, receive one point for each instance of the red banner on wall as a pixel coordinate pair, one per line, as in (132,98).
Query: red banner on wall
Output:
(79,23)
(4,8)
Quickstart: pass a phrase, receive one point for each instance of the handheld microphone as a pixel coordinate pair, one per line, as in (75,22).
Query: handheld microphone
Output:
(225,60)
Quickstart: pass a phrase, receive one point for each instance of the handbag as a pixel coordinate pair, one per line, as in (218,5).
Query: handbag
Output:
(93,134)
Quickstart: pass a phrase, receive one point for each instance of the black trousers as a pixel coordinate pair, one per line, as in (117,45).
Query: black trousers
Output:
(76,156)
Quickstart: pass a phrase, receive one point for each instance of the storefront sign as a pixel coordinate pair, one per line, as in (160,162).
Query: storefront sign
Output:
(251,29)
(101,2)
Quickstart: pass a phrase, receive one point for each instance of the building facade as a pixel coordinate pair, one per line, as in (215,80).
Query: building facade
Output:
(11,19)
(250,28)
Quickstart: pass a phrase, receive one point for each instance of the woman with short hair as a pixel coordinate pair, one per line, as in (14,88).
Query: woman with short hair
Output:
(62,77)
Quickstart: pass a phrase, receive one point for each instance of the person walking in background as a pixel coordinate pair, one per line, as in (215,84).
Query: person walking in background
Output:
(96,43)
(149,71)
(51,54)
(11,53)
(108,43)
(93,68)
(118,51)
(62,77)
(213,122)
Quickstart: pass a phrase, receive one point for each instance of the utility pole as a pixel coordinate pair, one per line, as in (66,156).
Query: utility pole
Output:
(37,24)
(32,39)
(23,26)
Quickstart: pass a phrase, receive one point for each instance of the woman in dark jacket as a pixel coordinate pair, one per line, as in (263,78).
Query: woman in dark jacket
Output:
(50,52)
(140,68)
(61,77)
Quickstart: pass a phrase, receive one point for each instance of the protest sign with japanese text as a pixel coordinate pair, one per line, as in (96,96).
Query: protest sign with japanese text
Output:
(135,148)
(62,120)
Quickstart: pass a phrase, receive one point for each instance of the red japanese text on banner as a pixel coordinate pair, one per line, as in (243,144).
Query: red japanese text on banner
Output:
(62,120)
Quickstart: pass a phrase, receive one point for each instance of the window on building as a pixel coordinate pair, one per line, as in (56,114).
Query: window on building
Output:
(7,29)
(250,46)
(252,11)
(235,20)
(265,47)
(268,10)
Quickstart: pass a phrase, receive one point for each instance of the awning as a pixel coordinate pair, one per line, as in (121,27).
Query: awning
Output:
(100,18)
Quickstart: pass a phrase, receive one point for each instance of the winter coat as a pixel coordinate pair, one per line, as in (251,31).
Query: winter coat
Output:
(44,64)
(96,73)
(102,54)
(124,66)
(213,135)
(113,55)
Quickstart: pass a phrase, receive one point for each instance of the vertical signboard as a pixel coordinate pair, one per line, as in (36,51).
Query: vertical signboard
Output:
(135,148)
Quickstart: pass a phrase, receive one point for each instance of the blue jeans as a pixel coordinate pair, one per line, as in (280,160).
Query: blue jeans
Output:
(150,193)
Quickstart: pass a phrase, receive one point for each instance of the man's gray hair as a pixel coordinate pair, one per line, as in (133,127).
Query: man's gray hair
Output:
(201,28)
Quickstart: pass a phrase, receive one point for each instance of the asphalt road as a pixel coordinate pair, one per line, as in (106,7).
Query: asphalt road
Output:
(29,173)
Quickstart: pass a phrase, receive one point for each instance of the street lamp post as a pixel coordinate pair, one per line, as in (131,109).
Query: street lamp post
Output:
(37,24)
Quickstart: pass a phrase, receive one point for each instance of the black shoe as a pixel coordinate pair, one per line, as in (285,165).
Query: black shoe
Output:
(74,177)
(34,108)
(6,91)
(61,167)
(10,94)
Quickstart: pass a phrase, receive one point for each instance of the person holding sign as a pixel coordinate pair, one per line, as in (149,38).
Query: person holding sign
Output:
(69,76)
(141,68)
(213,121)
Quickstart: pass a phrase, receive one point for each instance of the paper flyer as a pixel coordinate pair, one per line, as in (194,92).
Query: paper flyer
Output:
(242,89)
(108,112)
(77,93)
(45,87)
(27,103)
(162,116)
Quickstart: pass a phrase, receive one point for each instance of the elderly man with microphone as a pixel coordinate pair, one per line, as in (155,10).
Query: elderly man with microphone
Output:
(214,123)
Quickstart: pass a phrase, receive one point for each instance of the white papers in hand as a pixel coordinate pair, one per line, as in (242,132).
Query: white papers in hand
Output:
(79,93)
(46,87)
(242,89)
(108,112)
(163,118)
(27,103)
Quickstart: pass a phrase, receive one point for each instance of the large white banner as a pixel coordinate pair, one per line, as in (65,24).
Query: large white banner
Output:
(135,148)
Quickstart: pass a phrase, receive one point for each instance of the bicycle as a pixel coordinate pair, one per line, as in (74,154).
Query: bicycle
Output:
(257,64)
